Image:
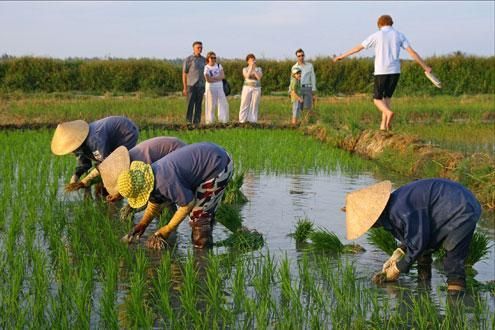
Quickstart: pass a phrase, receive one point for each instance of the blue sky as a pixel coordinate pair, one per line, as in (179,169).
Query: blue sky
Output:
(233,29)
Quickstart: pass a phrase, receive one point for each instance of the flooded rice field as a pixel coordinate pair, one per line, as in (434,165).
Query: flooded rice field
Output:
(65,266)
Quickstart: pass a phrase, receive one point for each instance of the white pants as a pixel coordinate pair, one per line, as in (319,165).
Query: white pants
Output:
(214,96)
(250,100)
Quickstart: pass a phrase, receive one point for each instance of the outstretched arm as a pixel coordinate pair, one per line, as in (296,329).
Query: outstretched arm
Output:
(418,59)
(354,50)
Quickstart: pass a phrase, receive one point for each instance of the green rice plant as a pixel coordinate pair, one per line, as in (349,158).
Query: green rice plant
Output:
(304,228)
(243,240)
(139,313)
(229,217)
(325,240)
(239,286)
(233,193)
(189,293)
(383,239)
(108,310)
(478,249)
(161,293)
(214,295)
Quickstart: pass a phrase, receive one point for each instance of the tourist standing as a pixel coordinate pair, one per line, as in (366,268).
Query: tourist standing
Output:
(215,96)
(251,91)
(193,83)
(308,80)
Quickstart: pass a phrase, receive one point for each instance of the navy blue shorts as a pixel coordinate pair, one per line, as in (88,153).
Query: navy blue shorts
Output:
(385,85)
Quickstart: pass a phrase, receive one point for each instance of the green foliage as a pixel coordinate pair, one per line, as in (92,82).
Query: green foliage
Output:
(383,239)
(233,193)
(304,228)
(478,249)
(229,216)
(460,74)
(243,240)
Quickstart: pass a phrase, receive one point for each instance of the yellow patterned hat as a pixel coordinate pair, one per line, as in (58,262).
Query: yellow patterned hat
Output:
(136,184)
(364,207)
(69,136)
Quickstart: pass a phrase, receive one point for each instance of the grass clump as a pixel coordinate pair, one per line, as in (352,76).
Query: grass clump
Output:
(229,217)
(382,239)
(478,249)
(304,227)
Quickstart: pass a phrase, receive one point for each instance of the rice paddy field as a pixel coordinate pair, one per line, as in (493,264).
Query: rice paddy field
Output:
(64,265)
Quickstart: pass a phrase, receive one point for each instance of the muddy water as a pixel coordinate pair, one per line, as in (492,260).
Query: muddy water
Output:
(277,202)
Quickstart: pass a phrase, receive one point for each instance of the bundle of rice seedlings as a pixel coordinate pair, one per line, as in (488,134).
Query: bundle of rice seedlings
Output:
(324,240)
(304,227)
(233,193)
(478,249)
(383,239)
(243,240)
(229,216)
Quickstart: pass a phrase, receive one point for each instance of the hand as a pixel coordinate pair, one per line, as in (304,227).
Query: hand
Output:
(427,69)
(396,256)
(135,234)
(338,58)
(156,242)
(74,186)
(113,198)
(184,92)
(392,273)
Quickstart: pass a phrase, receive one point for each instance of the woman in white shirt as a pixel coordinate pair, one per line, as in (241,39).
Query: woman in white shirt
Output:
(251,91)
(214,95)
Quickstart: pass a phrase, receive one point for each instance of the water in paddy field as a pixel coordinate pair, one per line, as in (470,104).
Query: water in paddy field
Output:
(277,202)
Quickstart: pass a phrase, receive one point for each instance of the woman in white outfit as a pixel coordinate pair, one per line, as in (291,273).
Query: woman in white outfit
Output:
(214,95)
(251,91)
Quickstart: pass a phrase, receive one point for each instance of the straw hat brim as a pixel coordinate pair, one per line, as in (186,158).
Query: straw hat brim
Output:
(110,169)
(69,136)
(364,207)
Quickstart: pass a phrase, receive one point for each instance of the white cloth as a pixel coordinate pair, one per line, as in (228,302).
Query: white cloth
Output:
(250,100)
(308,77)
(387,43)
(214,96)
(213,71)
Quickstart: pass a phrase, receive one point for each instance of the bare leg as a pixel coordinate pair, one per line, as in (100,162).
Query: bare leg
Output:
(388,102)
(387,114)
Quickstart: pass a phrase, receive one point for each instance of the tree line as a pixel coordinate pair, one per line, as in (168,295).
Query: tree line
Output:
(459,73)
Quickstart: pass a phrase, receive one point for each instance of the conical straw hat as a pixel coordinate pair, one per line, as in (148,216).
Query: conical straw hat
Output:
(136,184)
(69,136)
(117,162)
(364,207)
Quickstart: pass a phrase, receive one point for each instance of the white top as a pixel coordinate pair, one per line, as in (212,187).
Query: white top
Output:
(387,43)
(251,81)
(213,71)
(308,77)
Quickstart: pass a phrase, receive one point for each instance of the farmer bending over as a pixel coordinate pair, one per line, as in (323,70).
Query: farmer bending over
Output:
(194,177)
(424,215)
(92,143)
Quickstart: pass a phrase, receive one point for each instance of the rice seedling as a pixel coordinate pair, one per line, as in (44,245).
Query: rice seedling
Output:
(162,288)
(229,217)
(304,228)
(478,249)
(383,239)
(233,193)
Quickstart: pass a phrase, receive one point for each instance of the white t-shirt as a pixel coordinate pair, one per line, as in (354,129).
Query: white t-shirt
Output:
(213,71)
(387,43)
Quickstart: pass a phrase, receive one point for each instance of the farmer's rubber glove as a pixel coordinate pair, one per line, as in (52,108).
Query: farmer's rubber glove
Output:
(152,211)
(87,179)
(392,273)
(396,256)
(157,241)
(74,178)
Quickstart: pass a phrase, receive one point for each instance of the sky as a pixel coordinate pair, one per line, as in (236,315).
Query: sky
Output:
(269,29)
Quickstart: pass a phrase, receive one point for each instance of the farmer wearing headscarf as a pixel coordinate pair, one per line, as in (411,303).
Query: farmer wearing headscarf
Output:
(119,160)
(92,143)
(423,215)
(194,177)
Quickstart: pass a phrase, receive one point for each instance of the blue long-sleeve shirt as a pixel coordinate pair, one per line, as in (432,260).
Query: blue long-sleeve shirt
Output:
(105,135)
(427,213)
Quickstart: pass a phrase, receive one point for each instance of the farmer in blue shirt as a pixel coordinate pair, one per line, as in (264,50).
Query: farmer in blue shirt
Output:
(194,177)
(92,143)
(424,215)
(119,160)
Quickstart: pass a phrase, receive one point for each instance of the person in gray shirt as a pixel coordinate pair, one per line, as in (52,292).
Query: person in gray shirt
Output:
(193,82)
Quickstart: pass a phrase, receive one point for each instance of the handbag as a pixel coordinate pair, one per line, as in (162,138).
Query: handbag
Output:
(226,87)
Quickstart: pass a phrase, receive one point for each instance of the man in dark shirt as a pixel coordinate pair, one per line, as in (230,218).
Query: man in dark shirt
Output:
(193,82)
(424,215)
